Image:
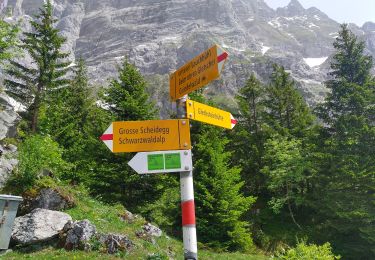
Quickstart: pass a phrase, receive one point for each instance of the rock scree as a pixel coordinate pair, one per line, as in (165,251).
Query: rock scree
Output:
(77,234)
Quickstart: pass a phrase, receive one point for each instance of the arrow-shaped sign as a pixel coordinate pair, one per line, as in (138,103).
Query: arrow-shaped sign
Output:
(162,161)
(197,73)
(149,135)
(209,115)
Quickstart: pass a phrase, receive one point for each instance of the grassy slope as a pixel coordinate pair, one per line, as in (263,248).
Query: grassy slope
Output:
(106,218)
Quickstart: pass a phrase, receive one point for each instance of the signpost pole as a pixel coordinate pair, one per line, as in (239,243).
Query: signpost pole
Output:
(187,200)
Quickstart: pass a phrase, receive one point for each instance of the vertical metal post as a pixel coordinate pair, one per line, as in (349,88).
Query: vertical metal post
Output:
(187,200)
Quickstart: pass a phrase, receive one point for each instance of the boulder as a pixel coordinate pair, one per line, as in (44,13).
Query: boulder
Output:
(78,234)
(38,226)
(152,230)
(50,199)
(149,232)
(46,198)
(128,217)
(115,242)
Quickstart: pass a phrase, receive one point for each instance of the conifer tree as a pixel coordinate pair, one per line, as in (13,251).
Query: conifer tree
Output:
(127,100)
(286,112)
(74,120)
(220,203)
(351,83)
(33,84)
(287,167)
(249,98)
(65,117)
(346,180)
(127,96)
(249,136)
(289,126)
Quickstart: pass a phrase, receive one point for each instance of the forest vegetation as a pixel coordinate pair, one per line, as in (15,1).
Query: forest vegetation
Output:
(290,180)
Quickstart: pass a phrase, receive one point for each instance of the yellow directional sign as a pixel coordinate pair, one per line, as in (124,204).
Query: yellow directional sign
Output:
(210,115)
(197,73)
(150,135)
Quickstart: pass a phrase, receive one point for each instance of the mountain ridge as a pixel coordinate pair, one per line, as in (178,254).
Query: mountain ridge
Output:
(158,36)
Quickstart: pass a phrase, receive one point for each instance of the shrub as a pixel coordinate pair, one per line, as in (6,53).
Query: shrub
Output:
(309,252)
(38,155)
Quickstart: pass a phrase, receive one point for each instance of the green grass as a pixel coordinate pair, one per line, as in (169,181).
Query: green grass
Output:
(229,256)
(51,253)
(107,219)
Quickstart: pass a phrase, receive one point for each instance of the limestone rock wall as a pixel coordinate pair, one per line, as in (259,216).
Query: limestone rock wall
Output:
(158,36)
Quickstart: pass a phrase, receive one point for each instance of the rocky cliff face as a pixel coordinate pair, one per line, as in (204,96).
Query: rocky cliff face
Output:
(369,36)
(161,35)
(8,121)
(8,116)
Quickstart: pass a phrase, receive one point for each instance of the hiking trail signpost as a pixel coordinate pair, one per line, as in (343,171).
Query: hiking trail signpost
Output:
(197,73)
(164,145)
(209,115)
(149,135)
(162,162)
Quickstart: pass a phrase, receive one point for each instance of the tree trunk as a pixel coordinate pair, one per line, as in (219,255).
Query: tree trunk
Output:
(255,118)
(35,116)
(34,119)
(290,208)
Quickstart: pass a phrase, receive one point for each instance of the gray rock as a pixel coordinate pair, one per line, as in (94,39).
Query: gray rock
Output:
(50,199)
(78,234)
(38,226)
(152,230)
(47,198)
(116,242)
(4,252)
(45,173)
(149,232)
(128,216)
(8,161)
(8,117)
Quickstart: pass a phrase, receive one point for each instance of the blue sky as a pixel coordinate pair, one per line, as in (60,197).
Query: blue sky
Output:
(353,11)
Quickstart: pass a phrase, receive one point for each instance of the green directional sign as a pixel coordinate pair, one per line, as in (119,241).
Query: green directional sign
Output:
(162,161)
(155,162)
(172,161)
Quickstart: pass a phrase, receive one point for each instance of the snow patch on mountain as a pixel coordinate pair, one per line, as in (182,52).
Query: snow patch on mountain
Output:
(275,23)
(296,18)
(314,62)
(311,81)
(120,57)
(313,25)
(334,35)
(265,49)
(231,47)
(72,64)
(173,39)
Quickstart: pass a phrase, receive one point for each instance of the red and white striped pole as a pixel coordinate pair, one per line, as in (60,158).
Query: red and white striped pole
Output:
(187,200)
